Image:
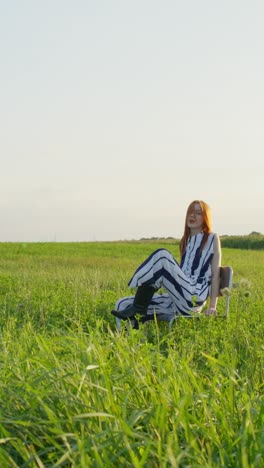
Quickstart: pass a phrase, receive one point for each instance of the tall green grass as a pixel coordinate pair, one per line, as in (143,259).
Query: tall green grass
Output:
(74,392)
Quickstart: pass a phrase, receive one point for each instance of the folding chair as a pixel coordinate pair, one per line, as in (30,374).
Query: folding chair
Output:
(226,278)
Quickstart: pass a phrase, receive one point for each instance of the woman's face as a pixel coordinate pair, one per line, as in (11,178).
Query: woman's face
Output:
(195,219)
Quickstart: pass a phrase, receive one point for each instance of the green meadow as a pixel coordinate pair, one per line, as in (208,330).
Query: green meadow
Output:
(76,393)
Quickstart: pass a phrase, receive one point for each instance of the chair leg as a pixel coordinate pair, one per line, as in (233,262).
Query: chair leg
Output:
(171,322)
(227,306)
(118,324)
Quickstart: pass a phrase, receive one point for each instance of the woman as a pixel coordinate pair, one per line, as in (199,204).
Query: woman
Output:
(189,284)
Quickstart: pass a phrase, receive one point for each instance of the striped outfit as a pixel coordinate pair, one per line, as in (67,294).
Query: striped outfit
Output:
(187,284)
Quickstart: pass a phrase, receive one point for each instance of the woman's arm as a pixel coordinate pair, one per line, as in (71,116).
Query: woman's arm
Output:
(216,263)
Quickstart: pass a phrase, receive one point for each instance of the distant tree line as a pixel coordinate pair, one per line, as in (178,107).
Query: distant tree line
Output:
(252,241)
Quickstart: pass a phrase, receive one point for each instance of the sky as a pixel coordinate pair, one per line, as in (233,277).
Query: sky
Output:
(116,114)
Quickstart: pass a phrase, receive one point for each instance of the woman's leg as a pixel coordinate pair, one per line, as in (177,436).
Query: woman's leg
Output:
(161,269)
(161,306)
(140,304)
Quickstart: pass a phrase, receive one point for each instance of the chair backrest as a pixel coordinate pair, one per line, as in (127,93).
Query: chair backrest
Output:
(226,277)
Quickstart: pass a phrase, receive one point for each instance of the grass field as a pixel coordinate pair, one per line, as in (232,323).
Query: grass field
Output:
(76,393)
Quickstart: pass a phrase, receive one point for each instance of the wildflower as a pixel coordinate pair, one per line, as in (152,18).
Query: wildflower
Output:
(244,283)
(225,292)
(246,293)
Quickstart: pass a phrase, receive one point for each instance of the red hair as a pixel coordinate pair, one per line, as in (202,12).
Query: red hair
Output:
(206,227)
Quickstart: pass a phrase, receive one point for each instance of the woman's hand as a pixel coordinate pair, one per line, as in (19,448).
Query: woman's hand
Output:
(210,311)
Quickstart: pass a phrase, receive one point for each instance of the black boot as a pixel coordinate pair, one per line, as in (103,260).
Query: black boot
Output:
(142,299)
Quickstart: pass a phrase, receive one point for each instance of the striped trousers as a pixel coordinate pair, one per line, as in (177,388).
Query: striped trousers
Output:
(184,294)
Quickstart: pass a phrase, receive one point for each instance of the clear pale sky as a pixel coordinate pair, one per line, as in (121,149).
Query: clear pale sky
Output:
(116,114)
